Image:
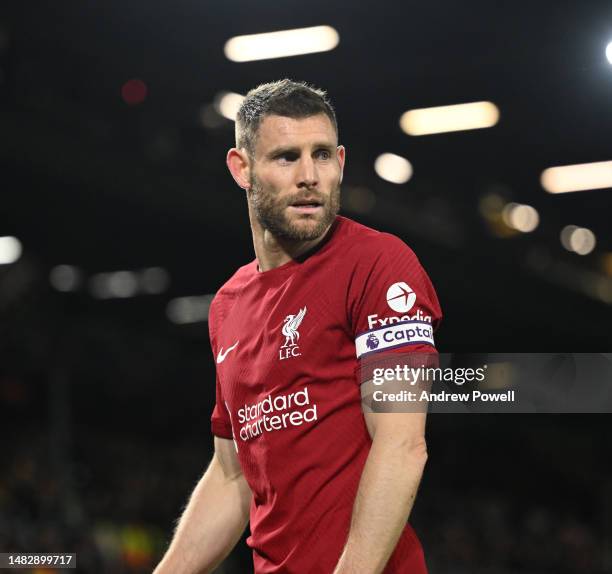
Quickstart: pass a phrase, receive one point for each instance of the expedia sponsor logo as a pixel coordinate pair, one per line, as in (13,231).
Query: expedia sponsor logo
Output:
(398,335)
(401,297)
(374,321)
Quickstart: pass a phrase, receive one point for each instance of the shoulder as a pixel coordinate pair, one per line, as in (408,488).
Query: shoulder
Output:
(229,292)
(366,244)
(237,281)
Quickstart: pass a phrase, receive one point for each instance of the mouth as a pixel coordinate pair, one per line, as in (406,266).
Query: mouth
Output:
(306,205)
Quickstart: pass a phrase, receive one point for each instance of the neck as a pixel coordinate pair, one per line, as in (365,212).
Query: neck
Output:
(272,251)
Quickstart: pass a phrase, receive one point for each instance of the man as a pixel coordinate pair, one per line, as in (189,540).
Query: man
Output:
(327,487)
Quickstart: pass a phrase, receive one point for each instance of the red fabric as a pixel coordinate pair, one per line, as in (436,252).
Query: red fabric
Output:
(294,406)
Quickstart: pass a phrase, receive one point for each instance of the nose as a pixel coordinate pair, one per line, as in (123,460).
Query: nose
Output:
(307,173)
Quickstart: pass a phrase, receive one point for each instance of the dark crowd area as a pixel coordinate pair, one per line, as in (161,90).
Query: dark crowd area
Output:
(497,498)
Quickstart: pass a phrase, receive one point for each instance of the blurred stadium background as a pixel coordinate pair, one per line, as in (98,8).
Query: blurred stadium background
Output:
(118,221)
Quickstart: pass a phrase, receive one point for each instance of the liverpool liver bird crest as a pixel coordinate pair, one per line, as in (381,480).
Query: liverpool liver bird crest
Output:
(290,328)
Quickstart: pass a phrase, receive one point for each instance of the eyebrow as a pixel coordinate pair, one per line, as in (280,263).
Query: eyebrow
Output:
(293,149)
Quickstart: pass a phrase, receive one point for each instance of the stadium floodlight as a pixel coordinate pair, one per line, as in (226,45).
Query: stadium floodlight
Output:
(193,309)
(579,240)
(455,118)
(393,168)
(117,284)
(122,284)
(579,177)
(523,218)
(227,104)
(281,44)
(10,249)
(65,278)
(609,52)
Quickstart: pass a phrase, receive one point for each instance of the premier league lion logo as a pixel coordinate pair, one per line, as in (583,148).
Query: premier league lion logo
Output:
(372,341)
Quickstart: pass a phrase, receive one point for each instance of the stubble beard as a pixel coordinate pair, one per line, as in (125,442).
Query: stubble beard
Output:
(272,212)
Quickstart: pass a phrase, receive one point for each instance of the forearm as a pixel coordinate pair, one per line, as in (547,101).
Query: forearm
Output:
(385,497)
(211,525)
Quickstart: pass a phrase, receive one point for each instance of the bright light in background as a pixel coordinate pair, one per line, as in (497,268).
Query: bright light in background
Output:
(65,278)
(579,240)
(120,284)
(521,217)
(281,44)
(460,117)
(227,104)
(184,310)
(609,52)
(10,250)
(579,177)
(393,168)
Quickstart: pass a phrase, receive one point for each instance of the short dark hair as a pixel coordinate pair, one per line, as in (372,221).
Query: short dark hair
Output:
(283,98)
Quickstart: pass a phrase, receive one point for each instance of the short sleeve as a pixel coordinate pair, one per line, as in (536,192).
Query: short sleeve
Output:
(220,421)
(392,304)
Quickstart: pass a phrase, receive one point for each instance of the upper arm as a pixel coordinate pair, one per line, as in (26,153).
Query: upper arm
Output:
(225,452)
(397,419)
(406,428)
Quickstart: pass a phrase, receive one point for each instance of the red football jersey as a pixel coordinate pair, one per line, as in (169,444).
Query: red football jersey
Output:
(288,343)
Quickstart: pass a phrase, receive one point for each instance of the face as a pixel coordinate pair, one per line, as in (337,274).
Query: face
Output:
(295,176)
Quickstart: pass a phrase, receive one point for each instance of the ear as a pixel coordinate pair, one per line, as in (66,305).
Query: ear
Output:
(341,155)
(238,164)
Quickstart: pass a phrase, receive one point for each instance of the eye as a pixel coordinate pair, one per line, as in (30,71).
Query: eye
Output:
(323,154)
(287,156)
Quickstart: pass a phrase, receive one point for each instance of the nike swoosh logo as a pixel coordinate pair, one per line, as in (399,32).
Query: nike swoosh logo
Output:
(221,356)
